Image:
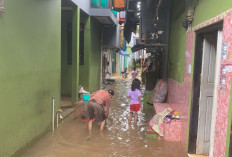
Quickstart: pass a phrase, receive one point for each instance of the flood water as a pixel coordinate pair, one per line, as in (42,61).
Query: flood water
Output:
(119,138)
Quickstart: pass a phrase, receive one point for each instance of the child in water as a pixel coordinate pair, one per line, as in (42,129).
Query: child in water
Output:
(134,95)
(134,73)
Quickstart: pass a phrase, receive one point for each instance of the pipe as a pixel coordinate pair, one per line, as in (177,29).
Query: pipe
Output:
(58,115)
(53,114)
(57,119)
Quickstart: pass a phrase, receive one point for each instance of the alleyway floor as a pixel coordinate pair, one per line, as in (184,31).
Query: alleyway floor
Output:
(118,140)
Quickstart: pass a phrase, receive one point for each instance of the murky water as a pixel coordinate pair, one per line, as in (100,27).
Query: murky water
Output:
(118,140)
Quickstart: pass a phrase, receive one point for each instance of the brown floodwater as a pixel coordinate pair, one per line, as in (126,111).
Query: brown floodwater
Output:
(119,138)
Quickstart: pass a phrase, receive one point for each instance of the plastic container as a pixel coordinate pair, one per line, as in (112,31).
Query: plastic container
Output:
(86,97)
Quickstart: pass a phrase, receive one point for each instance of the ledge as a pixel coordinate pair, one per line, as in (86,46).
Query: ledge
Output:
(104,15)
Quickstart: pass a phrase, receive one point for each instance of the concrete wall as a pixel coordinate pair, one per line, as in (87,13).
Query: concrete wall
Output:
(83,5)
(111,36)
(30,61)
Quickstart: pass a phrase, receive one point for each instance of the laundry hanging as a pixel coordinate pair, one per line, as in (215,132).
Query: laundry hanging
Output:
(104,4)
(100,4)
(95,3)
(119,5)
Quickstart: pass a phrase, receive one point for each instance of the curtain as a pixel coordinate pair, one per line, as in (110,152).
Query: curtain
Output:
(119,4)
(95,3)
(104,3)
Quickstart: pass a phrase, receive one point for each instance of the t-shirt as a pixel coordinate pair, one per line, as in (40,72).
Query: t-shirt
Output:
(134,74)
(101,97)
(134,96)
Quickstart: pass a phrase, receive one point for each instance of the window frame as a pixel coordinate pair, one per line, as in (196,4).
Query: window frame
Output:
(2,9)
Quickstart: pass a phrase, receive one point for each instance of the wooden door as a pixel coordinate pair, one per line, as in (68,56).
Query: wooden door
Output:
(206,92)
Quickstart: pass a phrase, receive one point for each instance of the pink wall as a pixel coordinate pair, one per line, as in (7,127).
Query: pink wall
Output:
(223,94)
(179,95)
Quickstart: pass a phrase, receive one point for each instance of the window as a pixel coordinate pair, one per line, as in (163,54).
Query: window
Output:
(2,9)
(81,45)
(69,43)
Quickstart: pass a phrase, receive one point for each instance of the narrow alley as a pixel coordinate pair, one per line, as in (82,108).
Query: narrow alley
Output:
(119,138)
(52,52)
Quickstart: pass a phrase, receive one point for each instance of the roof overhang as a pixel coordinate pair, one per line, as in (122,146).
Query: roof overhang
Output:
(104,16)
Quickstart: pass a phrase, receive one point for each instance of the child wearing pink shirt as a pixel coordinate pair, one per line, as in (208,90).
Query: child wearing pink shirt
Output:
(134,95)
(134,73)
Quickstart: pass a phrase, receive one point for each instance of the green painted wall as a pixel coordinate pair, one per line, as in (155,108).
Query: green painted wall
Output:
(66,69)
(177,39)
(91,70)
(84,69)
(205,10)
(75,54)
(95,56)
(30,62)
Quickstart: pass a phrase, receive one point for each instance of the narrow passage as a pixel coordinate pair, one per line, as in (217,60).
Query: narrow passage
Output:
(118,140)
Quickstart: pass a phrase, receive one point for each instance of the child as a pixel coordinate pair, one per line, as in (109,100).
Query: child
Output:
(134,73)
(135,100)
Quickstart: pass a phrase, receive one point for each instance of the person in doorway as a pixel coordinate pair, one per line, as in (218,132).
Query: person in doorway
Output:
(134,73)
(98,107)
(134,95)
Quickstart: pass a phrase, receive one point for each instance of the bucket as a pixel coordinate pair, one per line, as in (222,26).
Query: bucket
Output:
(86,97)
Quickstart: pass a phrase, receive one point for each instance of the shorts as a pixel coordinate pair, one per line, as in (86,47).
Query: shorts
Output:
(134,107)
(95,110)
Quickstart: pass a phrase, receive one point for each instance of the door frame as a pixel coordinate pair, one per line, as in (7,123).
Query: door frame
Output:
(194,112)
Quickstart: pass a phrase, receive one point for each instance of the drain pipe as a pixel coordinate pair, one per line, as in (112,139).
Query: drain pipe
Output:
(58,115)
(53,110)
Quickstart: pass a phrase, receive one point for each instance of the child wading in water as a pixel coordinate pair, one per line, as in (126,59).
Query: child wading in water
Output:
(135,100)
(134,73)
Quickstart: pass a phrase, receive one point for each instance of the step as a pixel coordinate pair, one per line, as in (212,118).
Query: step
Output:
(172,130)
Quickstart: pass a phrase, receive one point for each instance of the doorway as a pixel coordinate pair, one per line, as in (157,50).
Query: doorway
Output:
(204,97)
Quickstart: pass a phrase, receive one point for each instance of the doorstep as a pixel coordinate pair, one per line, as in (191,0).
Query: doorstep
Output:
(195,155)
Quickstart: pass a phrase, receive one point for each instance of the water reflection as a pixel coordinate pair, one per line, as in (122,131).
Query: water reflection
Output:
(119,139)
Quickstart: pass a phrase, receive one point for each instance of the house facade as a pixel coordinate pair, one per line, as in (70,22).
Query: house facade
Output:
(199,75)
(193,39)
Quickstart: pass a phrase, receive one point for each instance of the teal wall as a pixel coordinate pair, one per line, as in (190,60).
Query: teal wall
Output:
(120,64)
(91,70)
(125,61)
(30,59)
(205,10)
(66,69)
